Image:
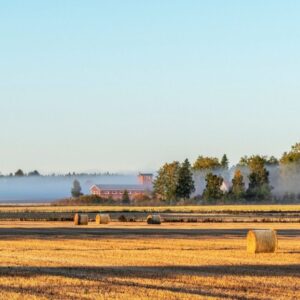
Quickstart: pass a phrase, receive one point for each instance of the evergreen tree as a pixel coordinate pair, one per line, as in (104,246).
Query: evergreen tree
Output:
(166,181)
(259,187)
(19,173)
(224,162)
(212,190)
(238,185)
(76,189)
(34,173)
(125,197)
(185,184)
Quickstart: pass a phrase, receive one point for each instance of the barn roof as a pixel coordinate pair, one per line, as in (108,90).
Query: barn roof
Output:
(117,187)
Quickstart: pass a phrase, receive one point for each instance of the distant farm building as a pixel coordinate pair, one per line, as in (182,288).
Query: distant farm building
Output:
(145,178)
(116,191)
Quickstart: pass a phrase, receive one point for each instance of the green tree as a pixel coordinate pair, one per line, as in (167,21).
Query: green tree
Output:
(206,163)
(259,187)
(34,173)
(165,184)
(125,197)
(238,185)
(185,184)
(224,162)
(291,157)
(76,189)
(245,161)
(272,161)
(19,173)
(289,169)
(212,189)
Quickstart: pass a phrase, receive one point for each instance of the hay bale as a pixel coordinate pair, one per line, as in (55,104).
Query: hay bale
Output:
(102,219)
(81,219)
(261,241)
(154,219)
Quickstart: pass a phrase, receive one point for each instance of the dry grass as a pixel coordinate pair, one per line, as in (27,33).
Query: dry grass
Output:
(129,266)
(187,209)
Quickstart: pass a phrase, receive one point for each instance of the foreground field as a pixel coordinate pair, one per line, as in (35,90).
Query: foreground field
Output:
(45,260)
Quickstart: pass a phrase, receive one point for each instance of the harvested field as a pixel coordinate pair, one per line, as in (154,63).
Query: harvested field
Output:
(192,214)
(58,260)
(181,209)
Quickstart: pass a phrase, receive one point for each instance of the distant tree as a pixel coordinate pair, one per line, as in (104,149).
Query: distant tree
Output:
(269,161)
(34,173)
(243,161)
(289,169)
(224,162)
(185,183)
(19,173)
(212,190)
(272,161)
(76,189)
(238,185)
(206,163)
(125,197)
(259,187)
(165,184)
(291,157)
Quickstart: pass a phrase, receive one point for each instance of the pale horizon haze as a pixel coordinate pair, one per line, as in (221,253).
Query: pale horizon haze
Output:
(125,86)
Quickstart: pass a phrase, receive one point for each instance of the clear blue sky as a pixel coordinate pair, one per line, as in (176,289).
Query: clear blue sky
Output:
(128,85)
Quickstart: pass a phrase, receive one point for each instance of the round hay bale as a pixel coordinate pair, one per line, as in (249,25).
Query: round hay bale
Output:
(261,241)
(154,219)
(102,219)
(81,219)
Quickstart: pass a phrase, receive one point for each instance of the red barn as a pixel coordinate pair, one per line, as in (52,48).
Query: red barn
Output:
(115,191)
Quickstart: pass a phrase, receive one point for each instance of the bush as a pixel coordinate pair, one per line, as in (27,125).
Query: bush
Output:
(82,200)
(122,218)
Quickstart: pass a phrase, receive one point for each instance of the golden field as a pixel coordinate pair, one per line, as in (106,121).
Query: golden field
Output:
(183,209)
(57,260)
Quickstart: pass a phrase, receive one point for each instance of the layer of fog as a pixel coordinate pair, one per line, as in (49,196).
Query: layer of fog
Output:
(48,188)
(284,179)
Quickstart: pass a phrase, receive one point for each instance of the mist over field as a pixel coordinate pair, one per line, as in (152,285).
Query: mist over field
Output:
(43,189)
(284,179)
(48,188)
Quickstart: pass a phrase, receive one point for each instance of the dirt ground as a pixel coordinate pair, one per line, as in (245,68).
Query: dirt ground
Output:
(57,260)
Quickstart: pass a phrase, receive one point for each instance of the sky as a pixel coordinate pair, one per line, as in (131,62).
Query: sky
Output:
(125,86)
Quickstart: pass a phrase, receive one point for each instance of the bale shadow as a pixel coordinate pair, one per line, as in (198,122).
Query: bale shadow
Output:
(121,275)
(158,272)
(158,232)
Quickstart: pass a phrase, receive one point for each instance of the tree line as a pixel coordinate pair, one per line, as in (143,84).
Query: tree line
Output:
(21,173)
(249,180)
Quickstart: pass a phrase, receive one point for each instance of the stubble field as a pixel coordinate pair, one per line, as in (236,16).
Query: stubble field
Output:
(57,260)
